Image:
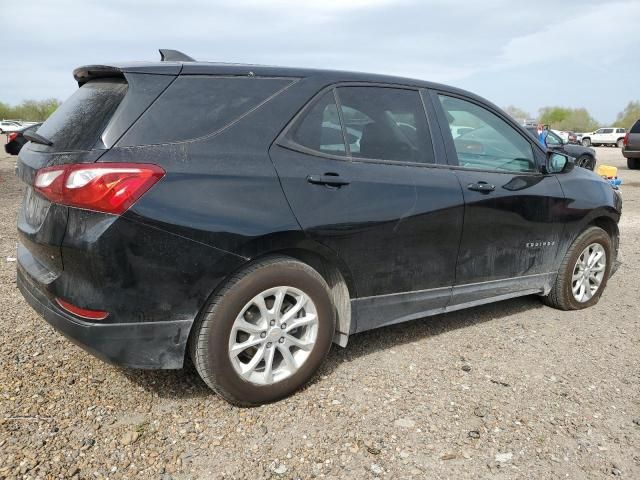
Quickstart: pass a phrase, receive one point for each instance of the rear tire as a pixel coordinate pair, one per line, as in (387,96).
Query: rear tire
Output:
(234,317)
(562,295)
(586,142)
(620,143)
(633,163)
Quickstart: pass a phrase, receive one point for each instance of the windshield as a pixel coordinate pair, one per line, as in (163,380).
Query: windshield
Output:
(553,139)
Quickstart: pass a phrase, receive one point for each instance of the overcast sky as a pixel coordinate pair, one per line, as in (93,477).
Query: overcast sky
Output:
(525,53)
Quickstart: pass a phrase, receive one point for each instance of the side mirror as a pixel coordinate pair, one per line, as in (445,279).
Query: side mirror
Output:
(558,163)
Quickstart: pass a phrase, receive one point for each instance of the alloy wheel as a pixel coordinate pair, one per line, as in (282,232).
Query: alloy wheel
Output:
(273,335)
(588,272)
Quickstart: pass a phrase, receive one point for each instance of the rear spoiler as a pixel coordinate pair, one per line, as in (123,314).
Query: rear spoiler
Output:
(90,72)
(171,64)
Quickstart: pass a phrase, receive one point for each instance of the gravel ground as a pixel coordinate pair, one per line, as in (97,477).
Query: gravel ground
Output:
(509,390)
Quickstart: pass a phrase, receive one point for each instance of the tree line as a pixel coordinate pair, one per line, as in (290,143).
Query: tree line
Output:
(577,119)
(29,110)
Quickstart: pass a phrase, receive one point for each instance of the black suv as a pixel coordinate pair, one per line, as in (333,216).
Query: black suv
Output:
(631,146)
(249,216)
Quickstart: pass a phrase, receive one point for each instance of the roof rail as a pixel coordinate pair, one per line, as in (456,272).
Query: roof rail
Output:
(167,55)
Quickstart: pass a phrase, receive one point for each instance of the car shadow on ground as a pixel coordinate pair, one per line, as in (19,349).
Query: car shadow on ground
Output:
(387,338)
(185,383)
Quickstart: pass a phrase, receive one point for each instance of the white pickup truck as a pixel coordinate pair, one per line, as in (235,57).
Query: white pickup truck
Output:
(604,136)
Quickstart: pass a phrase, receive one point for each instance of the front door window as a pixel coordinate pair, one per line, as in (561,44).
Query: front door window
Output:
(487,142)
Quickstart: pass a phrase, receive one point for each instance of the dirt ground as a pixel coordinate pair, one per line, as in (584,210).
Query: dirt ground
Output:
(509,390)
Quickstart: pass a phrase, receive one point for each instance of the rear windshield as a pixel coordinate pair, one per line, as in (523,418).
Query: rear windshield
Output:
(79,121)
(196,106)
(636,127)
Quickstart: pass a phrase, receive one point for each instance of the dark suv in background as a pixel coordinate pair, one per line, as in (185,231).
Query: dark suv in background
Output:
(17,139)
(631,146)
(585,157)
(249,216)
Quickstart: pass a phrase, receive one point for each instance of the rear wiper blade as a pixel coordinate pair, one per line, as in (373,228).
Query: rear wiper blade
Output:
(37,138)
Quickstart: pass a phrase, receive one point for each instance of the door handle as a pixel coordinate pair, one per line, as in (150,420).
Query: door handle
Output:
(482,187)
(329,179)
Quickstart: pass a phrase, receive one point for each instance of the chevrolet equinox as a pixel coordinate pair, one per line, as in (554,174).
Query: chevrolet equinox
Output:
(250,216)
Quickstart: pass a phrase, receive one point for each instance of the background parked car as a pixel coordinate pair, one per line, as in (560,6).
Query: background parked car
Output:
(631,146)
(562,134)
(604,136)
(7,126)
(567,136)
(457,131)
(585,156)
(17,140)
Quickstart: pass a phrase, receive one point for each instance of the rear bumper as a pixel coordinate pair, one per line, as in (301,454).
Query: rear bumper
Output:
(149,345)
(631,153)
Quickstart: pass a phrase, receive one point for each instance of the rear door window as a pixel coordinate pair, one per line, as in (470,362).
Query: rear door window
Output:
(319,128)
(77,124)
(386,123)
(195,106)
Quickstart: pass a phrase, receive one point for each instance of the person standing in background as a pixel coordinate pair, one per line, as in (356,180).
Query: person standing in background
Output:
(543,131)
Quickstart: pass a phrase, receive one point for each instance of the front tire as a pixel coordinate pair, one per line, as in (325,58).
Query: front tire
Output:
(633,163)
(586,142)
(265,333)
(583,273)
(586,161)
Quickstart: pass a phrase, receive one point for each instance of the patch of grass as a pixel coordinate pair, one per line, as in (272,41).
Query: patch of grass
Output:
(142,427)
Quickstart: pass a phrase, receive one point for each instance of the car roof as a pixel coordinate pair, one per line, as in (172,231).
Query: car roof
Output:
(88,72)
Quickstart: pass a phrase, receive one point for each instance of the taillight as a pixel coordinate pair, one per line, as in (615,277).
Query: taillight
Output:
(82,312)
(103,187)
(625,142)
(12,136)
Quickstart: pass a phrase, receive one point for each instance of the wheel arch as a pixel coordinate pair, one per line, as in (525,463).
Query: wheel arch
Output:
(336,275)
(607,224)
(610,226)
(340,283)
(605,217)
